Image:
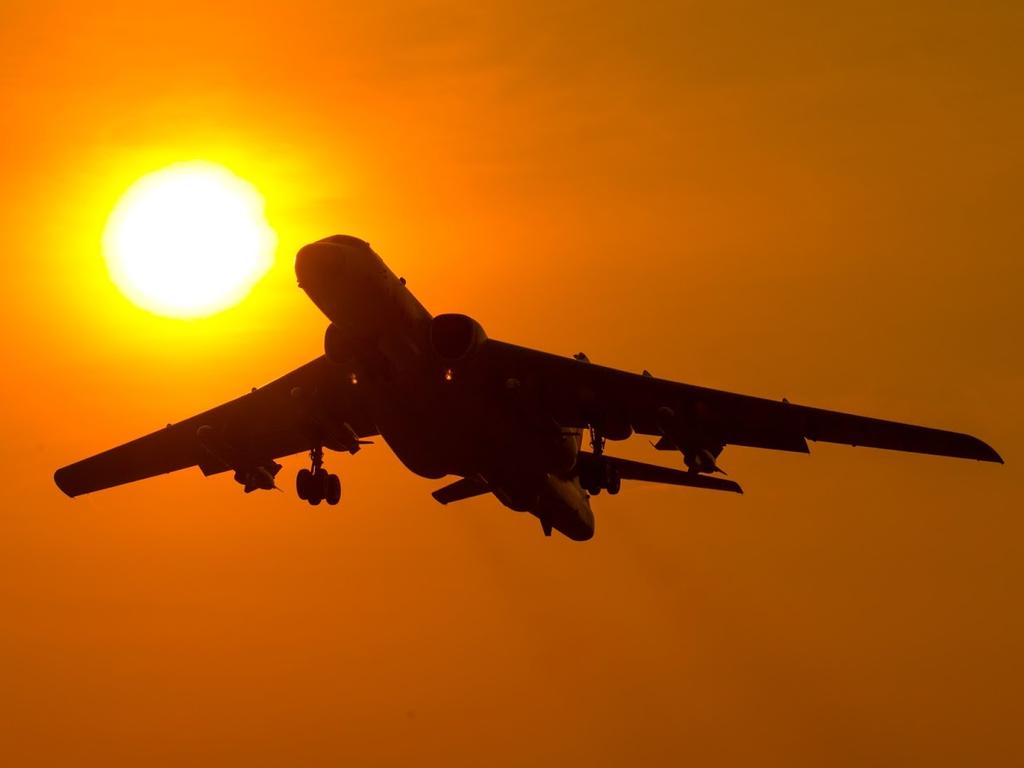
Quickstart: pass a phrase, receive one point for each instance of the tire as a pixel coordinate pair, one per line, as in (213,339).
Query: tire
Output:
(590,477)
(320,483)
(302,483)
(612,481)
(333,495)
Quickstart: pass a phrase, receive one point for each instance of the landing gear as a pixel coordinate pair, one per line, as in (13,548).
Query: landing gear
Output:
(316,484)
(612,481)
(303,483)
(603,475)
(333,495)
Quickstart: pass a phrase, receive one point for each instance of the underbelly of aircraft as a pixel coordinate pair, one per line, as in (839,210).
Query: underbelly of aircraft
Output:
(446,435)
(430,438)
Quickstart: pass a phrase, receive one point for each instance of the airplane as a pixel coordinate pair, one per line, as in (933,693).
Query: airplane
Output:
(504,419)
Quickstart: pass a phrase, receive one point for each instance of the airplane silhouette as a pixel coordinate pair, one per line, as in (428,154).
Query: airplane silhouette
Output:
(505,419)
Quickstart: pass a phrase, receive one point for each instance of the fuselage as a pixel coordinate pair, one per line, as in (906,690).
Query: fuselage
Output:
(425,381)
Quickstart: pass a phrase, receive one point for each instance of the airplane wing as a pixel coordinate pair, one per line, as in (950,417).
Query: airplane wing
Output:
(312,405)
(577,393)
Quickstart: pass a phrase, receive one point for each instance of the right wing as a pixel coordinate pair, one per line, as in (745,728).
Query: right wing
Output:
(312,405)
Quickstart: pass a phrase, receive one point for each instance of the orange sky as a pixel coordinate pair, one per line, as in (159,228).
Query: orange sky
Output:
(815,202)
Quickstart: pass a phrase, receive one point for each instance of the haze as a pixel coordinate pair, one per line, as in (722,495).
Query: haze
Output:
(820,202)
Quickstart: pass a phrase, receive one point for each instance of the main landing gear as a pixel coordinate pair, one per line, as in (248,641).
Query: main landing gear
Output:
(316,484)
(601,474)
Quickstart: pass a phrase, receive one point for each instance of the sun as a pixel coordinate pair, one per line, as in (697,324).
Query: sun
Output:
(188,240)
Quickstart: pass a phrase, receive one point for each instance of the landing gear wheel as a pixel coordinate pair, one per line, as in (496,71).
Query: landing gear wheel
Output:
(333,495)
(590,478)
(612,480)
(303,481)
(317,486)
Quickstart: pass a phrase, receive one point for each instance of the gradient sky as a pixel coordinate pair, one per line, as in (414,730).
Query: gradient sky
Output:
(813,200)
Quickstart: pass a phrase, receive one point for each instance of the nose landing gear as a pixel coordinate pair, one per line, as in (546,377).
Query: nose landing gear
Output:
(316,484)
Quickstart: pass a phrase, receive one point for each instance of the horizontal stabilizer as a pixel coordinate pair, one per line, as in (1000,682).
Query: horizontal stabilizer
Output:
(466,488)
(651,473)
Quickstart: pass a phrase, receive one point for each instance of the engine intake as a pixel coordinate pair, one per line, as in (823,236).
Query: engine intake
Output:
(344,345)
(456,337)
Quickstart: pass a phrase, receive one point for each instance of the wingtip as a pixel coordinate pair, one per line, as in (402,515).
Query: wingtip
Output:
(61,479)
(987,453)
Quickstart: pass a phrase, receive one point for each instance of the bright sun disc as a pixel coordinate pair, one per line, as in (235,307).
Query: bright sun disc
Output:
(188,240)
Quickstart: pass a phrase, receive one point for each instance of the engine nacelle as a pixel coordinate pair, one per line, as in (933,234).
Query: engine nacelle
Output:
(342,346)
(456,337)
(615,426)
(562,454)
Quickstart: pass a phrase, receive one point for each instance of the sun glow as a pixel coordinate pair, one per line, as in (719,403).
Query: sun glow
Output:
(188,240)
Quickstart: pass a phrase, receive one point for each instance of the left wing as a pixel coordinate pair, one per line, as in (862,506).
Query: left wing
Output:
(312,405)
(577,393)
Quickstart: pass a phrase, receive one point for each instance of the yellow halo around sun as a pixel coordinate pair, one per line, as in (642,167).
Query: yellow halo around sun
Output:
(188,240)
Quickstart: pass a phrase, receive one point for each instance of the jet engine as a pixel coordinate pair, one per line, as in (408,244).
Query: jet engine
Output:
(561,454)
(456,337)
(343,346)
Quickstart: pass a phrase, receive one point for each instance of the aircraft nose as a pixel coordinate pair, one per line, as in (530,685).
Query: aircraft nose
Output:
(317,262)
